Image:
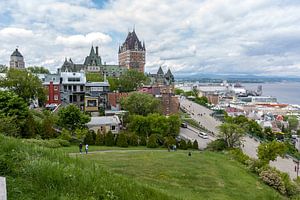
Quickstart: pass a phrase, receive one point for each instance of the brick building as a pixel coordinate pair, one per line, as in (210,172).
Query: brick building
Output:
(132,53)
(114,100)
(52,85)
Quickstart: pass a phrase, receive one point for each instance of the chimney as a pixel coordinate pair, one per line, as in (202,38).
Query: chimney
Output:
(97,50)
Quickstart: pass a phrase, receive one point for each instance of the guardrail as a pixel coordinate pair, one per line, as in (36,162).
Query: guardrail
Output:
(3,193)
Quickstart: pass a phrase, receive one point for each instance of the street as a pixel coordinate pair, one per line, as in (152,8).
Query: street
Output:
(250,145)
(191,134)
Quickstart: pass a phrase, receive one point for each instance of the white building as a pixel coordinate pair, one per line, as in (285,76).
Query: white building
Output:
(17,60)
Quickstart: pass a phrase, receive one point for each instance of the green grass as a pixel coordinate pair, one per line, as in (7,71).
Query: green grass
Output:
(204,175)
(35,172)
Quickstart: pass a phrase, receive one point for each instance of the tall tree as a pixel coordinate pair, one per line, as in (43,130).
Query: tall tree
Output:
(231,134)
(270,150)
(131,80)
(72,118)
(141,104)
(24,84)
(38,70)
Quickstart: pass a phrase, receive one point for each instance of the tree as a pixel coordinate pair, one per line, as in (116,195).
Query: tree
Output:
(195,145)
(141,104)
(99,138)
(133,140)
(143,141)
(65,135)
(270,150)
(139,125)
(152,141)
(131,80)
(38,70)
(174,125)
(25,85)
(178,91)
(9,126)
(81,133)
(109,139)
(14,112)
(183,145)
(47,125)
(158,124)
(29,128)
(89,139)
(94,77)
(72,118)
(169,141)
(122,140)
(189,144)
(268,133)
(231,134)
(113,83)
(254,129)
(293,122)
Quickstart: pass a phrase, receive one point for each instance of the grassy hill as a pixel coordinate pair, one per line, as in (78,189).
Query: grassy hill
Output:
(35,172)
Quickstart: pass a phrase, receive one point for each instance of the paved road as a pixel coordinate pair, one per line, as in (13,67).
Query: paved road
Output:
(3,193)
(191,134)
(250,145)
(201,114)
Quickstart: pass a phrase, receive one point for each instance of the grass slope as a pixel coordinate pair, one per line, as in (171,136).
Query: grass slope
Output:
(205,175)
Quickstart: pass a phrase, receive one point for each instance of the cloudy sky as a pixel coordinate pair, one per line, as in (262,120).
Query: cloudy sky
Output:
(260,37)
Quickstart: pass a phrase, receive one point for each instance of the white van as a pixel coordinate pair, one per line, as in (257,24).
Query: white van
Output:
(203,135)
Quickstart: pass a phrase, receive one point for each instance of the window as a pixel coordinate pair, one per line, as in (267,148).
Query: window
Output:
(55,97)
(74,98)
(81,88)
(113,128)
(74,88)
(65,88)
(55,88)
(70,87)
(81,98)
(91,103)
(74,79)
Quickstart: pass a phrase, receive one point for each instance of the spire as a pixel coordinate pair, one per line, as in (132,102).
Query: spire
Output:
(160,71)
(144,47)
(92,51)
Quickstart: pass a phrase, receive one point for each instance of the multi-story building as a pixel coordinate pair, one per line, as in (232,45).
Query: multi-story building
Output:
(17,60)
(132,53)
(51,83)
(160,78)
(73,88)
(96,96)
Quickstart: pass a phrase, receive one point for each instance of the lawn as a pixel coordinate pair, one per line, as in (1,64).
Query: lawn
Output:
(204,175)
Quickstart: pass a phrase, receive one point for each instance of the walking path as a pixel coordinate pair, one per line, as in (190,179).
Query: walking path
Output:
(250,145)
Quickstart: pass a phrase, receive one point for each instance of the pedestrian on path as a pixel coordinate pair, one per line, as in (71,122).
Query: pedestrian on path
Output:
(80,148)
(86,148)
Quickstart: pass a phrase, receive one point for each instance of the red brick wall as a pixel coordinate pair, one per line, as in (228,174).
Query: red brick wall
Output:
(52,91)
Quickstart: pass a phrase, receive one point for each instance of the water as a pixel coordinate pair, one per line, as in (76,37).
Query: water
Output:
(285,92)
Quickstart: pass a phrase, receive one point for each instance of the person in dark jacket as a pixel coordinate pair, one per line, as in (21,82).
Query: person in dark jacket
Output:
(80,148)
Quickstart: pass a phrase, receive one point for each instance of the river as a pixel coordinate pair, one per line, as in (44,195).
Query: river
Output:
(285,92)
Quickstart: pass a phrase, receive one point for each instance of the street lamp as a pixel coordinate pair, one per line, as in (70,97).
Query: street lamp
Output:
(297,166)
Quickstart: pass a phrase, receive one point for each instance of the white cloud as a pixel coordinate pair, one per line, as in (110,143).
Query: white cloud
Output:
(83,40)
(204,36)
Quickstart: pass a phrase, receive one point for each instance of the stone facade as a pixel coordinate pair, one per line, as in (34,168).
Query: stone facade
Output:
(17,60)
(132,53)
(160,78)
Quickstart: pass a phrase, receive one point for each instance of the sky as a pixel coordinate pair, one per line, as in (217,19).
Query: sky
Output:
(257,37)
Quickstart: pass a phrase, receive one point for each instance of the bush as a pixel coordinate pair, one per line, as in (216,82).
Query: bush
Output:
(54,143)
(65,135)
(239,156)
(272,178)
(254,165)
(217,145)
(189,144)
(169,141)
(63,143)
(99,139)
(195,145)
(133,139)
(89,138)
(142,141)
(122,140)
(182,145)
(109,139)
(152,141)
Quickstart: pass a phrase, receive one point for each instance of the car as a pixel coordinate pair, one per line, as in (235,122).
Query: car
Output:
(203,135)
(184,125)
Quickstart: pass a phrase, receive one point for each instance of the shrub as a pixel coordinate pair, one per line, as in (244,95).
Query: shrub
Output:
(99,139)
(195,145)
(189,144)
(217,145)
(65,135)
(89,139)
(152,141)
(63,143)
(169,141)
(254,165)
(142,141)
(272,178)
(239,156)
(182,145)
(122,140)
(133,139)
(109,139)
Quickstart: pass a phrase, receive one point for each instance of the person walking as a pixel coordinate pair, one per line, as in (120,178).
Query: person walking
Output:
(80,148)
(86,148)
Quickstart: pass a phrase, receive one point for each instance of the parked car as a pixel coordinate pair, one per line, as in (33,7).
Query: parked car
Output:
(184,125)
(203,135)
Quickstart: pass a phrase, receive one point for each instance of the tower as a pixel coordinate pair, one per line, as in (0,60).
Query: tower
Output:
(17,60)
(93,59)
(132,53)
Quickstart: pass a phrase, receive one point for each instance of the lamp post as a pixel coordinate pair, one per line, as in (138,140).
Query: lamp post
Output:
(296,166)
